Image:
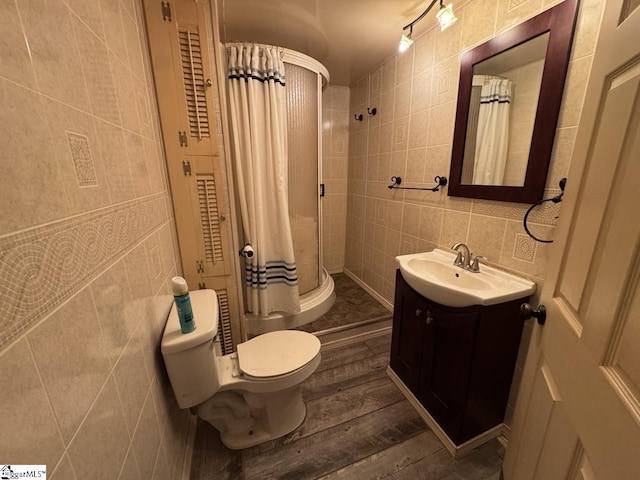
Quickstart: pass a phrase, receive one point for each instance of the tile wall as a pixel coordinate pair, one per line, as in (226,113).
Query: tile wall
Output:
(335,149)
(87,246)
(415,93)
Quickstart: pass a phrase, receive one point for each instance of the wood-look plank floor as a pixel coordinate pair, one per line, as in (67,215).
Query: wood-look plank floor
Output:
(358,426)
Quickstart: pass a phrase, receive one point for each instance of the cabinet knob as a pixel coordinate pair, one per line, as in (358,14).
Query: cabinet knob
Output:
(429,318)
(527,311)
(418,312)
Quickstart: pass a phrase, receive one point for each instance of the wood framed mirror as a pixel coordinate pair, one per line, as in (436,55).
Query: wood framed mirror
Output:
(529,62)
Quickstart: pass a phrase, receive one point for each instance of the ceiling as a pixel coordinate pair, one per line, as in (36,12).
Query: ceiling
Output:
(349,37)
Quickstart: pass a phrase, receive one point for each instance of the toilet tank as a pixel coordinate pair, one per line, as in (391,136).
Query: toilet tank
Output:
(190,358)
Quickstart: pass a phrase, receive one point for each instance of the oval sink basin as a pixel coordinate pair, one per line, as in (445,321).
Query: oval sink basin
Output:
(433,275)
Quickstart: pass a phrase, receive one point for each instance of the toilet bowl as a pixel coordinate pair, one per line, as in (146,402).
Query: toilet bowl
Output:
(250,396)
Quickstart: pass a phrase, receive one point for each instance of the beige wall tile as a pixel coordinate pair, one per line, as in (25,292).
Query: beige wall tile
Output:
(444,82)
(89,13)
(513,12)
(64,470)
(430,224)
(72,359)
(138,165)
(111,142)
(448,42)
(574,91)
(403,99)
(418,129)
(561,155)
(441,122)
(588,25)
(415,166)
(111,295)
(424,52)
(421,92)
(125,93)
(486,236)
(146,440)
(31,182)
(130,468)
(114,29)
(79,157)
(100,447)
(479,22)
(387,106)
(455,226)
(94,59)
(388,75)
(49,31)
(25,409)
(15,60)
(404,66)
(132,40)
(154,166)
(132,382)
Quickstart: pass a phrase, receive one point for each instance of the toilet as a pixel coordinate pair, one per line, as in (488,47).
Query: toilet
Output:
(250,396)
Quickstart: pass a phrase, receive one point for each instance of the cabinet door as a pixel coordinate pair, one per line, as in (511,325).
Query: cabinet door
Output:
(407,336)
(449,343)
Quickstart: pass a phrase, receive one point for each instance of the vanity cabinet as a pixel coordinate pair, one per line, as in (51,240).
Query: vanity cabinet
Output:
(457,362)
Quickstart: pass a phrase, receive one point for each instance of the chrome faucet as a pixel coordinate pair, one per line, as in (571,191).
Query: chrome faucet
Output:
(463,259)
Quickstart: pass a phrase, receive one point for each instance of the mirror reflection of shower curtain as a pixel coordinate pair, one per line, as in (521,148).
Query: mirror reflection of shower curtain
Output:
(259,138)
(493,130)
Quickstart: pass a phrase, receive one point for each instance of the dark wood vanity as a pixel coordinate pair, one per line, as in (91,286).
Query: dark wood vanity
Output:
(457,363)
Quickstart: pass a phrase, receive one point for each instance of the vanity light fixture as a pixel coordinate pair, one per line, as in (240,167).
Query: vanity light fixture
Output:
(445,17)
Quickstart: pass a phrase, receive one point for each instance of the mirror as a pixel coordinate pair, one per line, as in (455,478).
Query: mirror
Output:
(508,105)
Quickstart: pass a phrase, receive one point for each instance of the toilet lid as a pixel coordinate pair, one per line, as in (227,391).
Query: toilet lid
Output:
(277,353)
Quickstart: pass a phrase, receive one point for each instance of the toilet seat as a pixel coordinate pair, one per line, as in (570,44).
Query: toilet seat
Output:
(277,353)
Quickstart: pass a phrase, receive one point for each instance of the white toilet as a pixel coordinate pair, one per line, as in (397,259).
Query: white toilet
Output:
(250,396)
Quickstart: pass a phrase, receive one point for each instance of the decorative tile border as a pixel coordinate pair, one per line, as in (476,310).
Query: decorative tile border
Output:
(545,214)
(44,266)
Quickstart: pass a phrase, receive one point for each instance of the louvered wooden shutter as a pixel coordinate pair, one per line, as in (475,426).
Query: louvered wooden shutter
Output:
(194,83)
(224,324)
(210,218)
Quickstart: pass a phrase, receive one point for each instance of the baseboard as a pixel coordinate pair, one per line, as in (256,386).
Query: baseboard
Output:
(369,290)
(342,337)
(191,441)
(456,450)
(504,437)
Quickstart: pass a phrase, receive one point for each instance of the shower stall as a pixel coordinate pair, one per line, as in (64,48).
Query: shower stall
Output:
(305,78)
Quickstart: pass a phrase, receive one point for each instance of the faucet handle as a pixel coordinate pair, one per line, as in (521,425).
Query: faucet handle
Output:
(459,261)
(475,266)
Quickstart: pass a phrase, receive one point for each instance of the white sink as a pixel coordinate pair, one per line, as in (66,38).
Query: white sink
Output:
(433,275)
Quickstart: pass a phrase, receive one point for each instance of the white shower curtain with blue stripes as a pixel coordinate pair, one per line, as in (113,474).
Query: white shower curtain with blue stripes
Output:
(256,82)
(492,143)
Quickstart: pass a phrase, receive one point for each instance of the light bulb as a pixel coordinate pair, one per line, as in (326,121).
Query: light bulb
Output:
(405,43)
(446,17)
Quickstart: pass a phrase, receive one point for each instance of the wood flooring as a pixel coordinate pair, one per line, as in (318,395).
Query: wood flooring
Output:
(358,426)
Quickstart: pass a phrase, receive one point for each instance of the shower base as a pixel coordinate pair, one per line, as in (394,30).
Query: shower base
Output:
(312,306)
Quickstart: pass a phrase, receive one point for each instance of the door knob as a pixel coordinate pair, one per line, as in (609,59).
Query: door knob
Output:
(527,311)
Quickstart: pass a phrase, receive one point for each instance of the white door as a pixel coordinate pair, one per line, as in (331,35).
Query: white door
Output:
(578,412)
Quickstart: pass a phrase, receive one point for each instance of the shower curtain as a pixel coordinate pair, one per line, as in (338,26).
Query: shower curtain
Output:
(259,136)
(493,130)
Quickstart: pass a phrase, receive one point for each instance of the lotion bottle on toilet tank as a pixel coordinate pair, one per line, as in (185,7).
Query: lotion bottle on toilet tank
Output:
(183,304)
